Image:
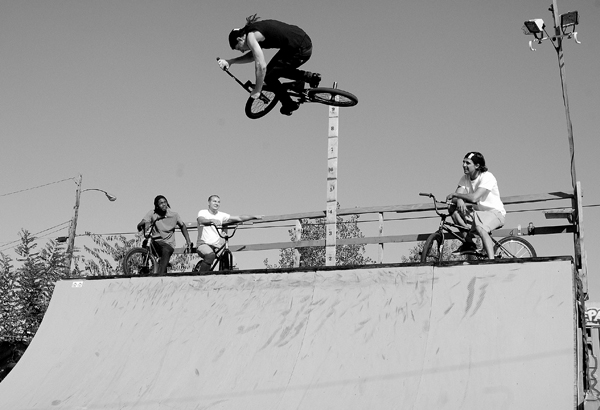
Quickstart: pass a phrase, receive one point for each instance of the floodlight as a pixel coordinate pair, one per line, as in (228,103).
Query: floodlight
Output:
(534,26)
(568,19)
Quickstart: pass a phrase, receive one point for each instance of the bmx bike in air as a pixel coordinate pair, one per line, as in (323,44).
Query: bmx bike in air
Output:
(299,91)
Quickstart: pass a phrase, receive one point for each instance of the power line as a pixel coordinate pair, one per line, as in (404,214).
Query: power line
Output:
(6,246)
(36,187)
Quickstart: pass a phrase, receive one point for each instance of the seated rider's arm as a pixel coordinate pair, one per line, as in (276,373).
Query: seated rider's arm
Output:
(184,231)
(471,198)
(207,221)
(242,218)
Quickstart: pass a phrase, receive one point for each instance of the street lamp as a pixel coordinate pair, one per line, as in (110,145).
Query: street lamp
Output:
(564,27)
(73,227)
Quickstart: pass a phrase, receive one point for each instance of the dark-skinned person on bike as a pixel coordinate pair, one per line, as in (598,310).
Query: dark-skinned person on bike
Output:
(295,49)
(165,221)
(208,237)
(476,204)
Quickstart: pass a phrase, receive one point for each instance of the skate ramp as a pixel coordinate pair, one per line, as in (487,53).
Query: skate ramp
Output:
(487,336)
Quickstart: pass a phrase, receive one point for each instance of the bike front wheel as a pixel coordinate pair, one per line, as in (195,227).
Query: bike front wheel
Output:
(513,247)
(332,96)
(433,248)
(138,261)
(259,107)
(226,260)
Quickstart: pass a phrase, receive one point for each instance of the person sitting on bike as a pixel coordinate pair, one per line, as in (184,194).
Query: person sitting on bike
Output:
(295,48)
(477,187)
(208,237)
(163,234)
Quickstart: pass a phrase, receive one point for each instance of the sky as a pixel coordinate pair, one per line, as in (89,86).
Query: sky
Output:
(129,95)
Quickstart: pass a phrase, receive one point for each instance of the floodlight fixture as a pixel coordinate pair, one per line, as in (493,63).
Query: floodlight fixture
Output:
(568,19)
(534,27)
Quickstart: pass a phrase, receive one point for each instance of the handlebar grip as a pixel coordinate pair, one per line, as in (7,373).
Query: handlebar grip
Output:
(424,194)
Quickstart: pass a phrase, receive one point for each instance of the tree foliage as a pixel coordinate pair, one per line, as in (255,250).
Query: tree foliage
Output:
(315,256)
(25,294)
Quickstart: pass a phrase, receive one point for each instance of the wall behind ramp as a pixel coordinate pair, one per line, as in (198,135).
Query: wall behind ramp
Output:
(462,337)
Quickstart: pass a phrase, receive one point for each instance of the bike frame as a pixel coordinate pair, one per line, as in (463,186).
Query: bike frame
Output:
(445,227)
(222,251)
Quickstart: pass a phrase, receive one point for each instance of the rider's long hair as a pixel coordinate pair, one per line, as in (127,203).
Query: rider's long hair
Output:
(238,32)
(157,210)
(477,159)
(251,19)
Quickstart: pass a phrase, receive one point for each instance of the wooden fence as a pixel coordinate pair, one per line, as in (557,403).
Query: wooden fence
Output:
(572,216)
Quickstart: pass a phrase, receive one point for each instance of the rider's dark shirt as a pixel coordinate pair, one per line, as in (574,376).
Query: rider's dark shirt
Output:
(280,35)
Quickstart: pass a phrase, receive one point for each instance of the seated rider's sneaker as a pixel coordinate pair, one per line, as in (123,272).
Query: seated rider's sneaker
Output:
(288,109)
(467,247)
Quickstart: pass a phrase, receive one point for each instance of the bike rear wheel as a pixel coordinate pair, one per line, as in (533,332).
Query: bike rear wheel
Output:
(513,247)
(138,261)
(332,96)
(259,107)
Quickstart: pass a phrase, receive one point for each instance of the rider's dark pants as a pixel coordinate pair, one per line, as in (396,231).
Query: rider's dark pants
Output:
(284,64)
(164,250)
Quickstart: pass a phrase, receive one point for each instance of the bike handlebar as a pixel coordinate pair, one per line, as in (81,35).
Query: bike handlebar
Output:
(226,236)
(246,86)
(435,202)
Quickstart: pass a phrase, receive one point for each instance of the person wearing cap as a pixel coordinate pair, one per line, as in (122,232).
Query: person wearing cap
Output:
(165,221)
(477,187)
(295,49)
(209,220)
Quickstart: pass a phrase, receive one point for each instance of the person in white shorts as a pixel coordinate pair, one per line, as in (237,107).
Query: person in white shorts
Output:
(477,187)
(208,236)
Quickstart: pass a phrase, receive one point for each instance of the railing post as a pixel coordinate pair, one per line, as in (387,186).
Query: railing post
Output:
(380,252)
(332,165)
(298,237)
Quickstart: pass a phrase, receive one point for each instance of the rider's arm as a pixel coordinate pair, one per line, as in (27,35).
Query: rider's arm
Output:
(208,221)
(184,231)
(243,218)
(244,59)
(471,198)
(260,63)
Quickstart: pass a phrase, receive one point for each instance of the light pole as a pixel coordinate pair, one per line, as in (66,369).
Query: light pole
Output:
(73,227)
(564,27)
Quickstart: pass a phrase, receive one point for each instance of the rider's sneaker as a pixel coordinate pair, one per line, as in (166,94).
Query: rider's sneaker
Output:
(288,109)
(313,79)
(465,248)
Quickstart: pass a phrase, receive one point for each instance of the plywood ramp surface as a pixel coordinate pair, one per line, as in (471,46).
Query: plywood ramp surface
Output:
(403,337)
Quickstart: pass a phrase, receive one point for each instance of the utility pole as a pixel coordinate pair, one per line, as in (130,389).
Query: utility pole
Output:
(73,227)
(563,81)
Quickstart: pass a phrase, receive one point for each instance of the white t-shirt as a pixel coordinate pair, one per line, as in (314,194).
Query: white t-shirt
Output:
(209,234)
(487,181)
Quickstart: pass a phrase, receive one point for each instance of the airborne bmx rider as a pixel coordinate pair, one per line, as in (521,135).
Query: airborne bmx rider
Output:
(295,48)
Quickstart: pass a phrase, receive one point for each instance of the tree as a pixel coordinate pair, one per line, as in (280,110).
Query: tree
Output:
(110,251)
(115,247)
(25,293)
(315,256)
